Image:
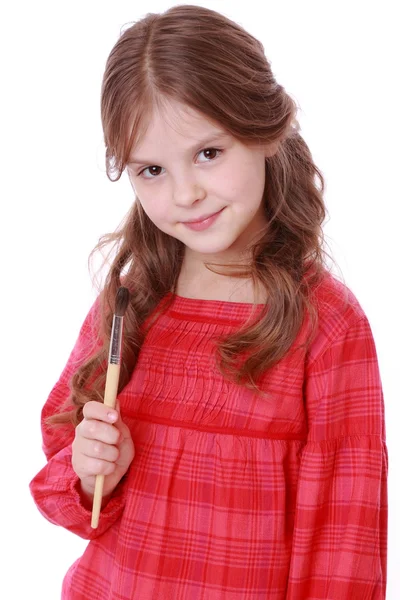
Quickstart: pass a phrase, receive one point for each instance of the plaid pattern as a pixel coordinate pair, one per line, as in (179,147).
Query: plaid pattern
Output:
(229,496)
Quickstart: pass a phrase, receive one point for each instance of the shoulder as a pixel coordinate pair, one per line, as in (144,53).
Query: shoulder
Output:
(338,310)
(335,299)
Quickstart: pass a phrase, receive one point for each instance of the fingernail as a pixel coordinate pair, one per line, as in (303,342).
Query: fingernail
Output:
(112,416)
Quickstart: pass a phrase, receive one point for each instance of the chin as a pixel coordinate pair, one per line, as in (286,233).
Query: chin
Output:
(208,247)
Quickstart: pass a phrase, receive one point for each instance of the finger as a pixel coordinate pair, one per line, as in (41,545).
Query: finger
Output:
(99,412)
(120,425)
(124,431)
(98,430)
(95,466)
(96,449)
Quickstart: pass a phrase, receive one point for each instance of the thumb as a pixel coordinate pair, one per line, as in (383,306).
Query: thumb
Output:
(119,424)
(118,409)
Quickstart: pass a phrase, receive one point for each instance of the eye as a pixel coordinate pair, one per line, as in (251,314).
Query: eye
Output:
(151,170)
(213,151)
(154,171)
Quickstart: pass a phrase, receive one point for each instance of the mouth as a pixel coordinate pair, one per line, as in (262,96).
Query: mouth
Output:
(204,222)
(203,218)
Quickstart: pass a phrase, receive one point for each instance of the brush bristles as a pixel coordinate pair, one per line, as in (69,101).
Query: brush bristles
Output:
(121,301)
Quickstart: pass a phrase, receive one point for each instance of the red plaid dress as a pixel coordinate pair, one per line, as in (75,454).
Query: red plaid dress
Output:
(231,496)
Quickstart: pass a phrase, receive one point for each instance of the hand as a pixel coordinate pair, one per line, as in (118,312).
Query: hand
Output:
(102,445)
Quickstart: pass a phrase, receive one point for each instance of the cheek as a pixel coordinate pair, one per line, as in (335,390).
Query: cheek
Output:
(227,184)
(156,211)
(253,189)
(243,181)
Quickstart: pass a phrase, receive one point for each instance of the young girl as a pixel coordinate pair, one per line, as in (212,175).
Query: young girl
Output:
(247,456)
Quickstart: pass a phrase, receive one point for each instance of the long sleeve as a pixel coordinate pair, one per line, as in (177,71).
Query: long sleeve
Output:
(55,487)
(339,549)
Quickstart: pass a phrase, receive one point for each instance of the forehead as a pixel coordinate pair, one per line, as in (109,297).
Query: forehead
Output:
(178,123)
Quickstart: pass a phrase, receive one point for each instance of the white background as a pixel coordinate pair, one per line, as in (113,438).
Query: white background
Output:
(338,60)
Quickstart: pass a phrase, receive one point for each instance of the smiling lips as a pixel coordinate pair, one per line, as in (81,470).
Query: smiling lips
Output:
(203,222)
(200,219)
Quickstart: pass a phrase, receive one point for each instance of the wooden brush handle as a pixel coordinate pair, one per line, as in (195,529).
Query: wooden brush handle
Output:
(110,396)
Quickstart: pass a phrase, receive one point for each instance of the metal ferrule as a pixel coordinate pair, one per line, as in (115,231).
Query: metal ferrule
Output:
(116,341)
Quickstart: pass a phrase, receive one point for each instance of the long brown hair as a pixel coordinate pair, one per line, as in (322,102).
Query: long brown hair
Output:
(204,60)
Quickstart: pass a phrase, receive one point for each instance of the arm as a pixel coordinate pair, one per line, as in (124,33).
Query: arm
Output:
(339,546)
(56,489)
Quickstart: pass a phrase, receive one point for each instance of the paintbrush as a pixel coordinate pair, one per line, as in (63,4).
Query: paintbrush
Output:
(112,378)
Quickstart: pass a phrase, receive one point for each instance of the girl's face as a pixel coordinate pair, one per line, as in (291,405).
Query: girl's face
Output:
(186,168)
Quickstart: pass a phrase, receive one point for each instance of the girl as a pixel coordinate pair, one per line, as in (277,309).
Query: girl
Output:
(247,458)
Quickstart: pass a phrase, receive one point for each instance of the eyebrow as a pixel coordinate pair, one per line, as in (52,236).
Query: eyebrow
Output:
(202,143)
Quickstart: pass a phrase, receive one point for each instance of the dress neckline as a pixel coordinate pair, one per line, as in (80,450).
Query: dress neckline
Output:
(210,311)
(183,299)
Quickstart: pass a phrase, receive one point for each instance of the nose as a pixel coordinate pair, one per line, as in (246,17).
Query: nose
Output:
(187,190)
